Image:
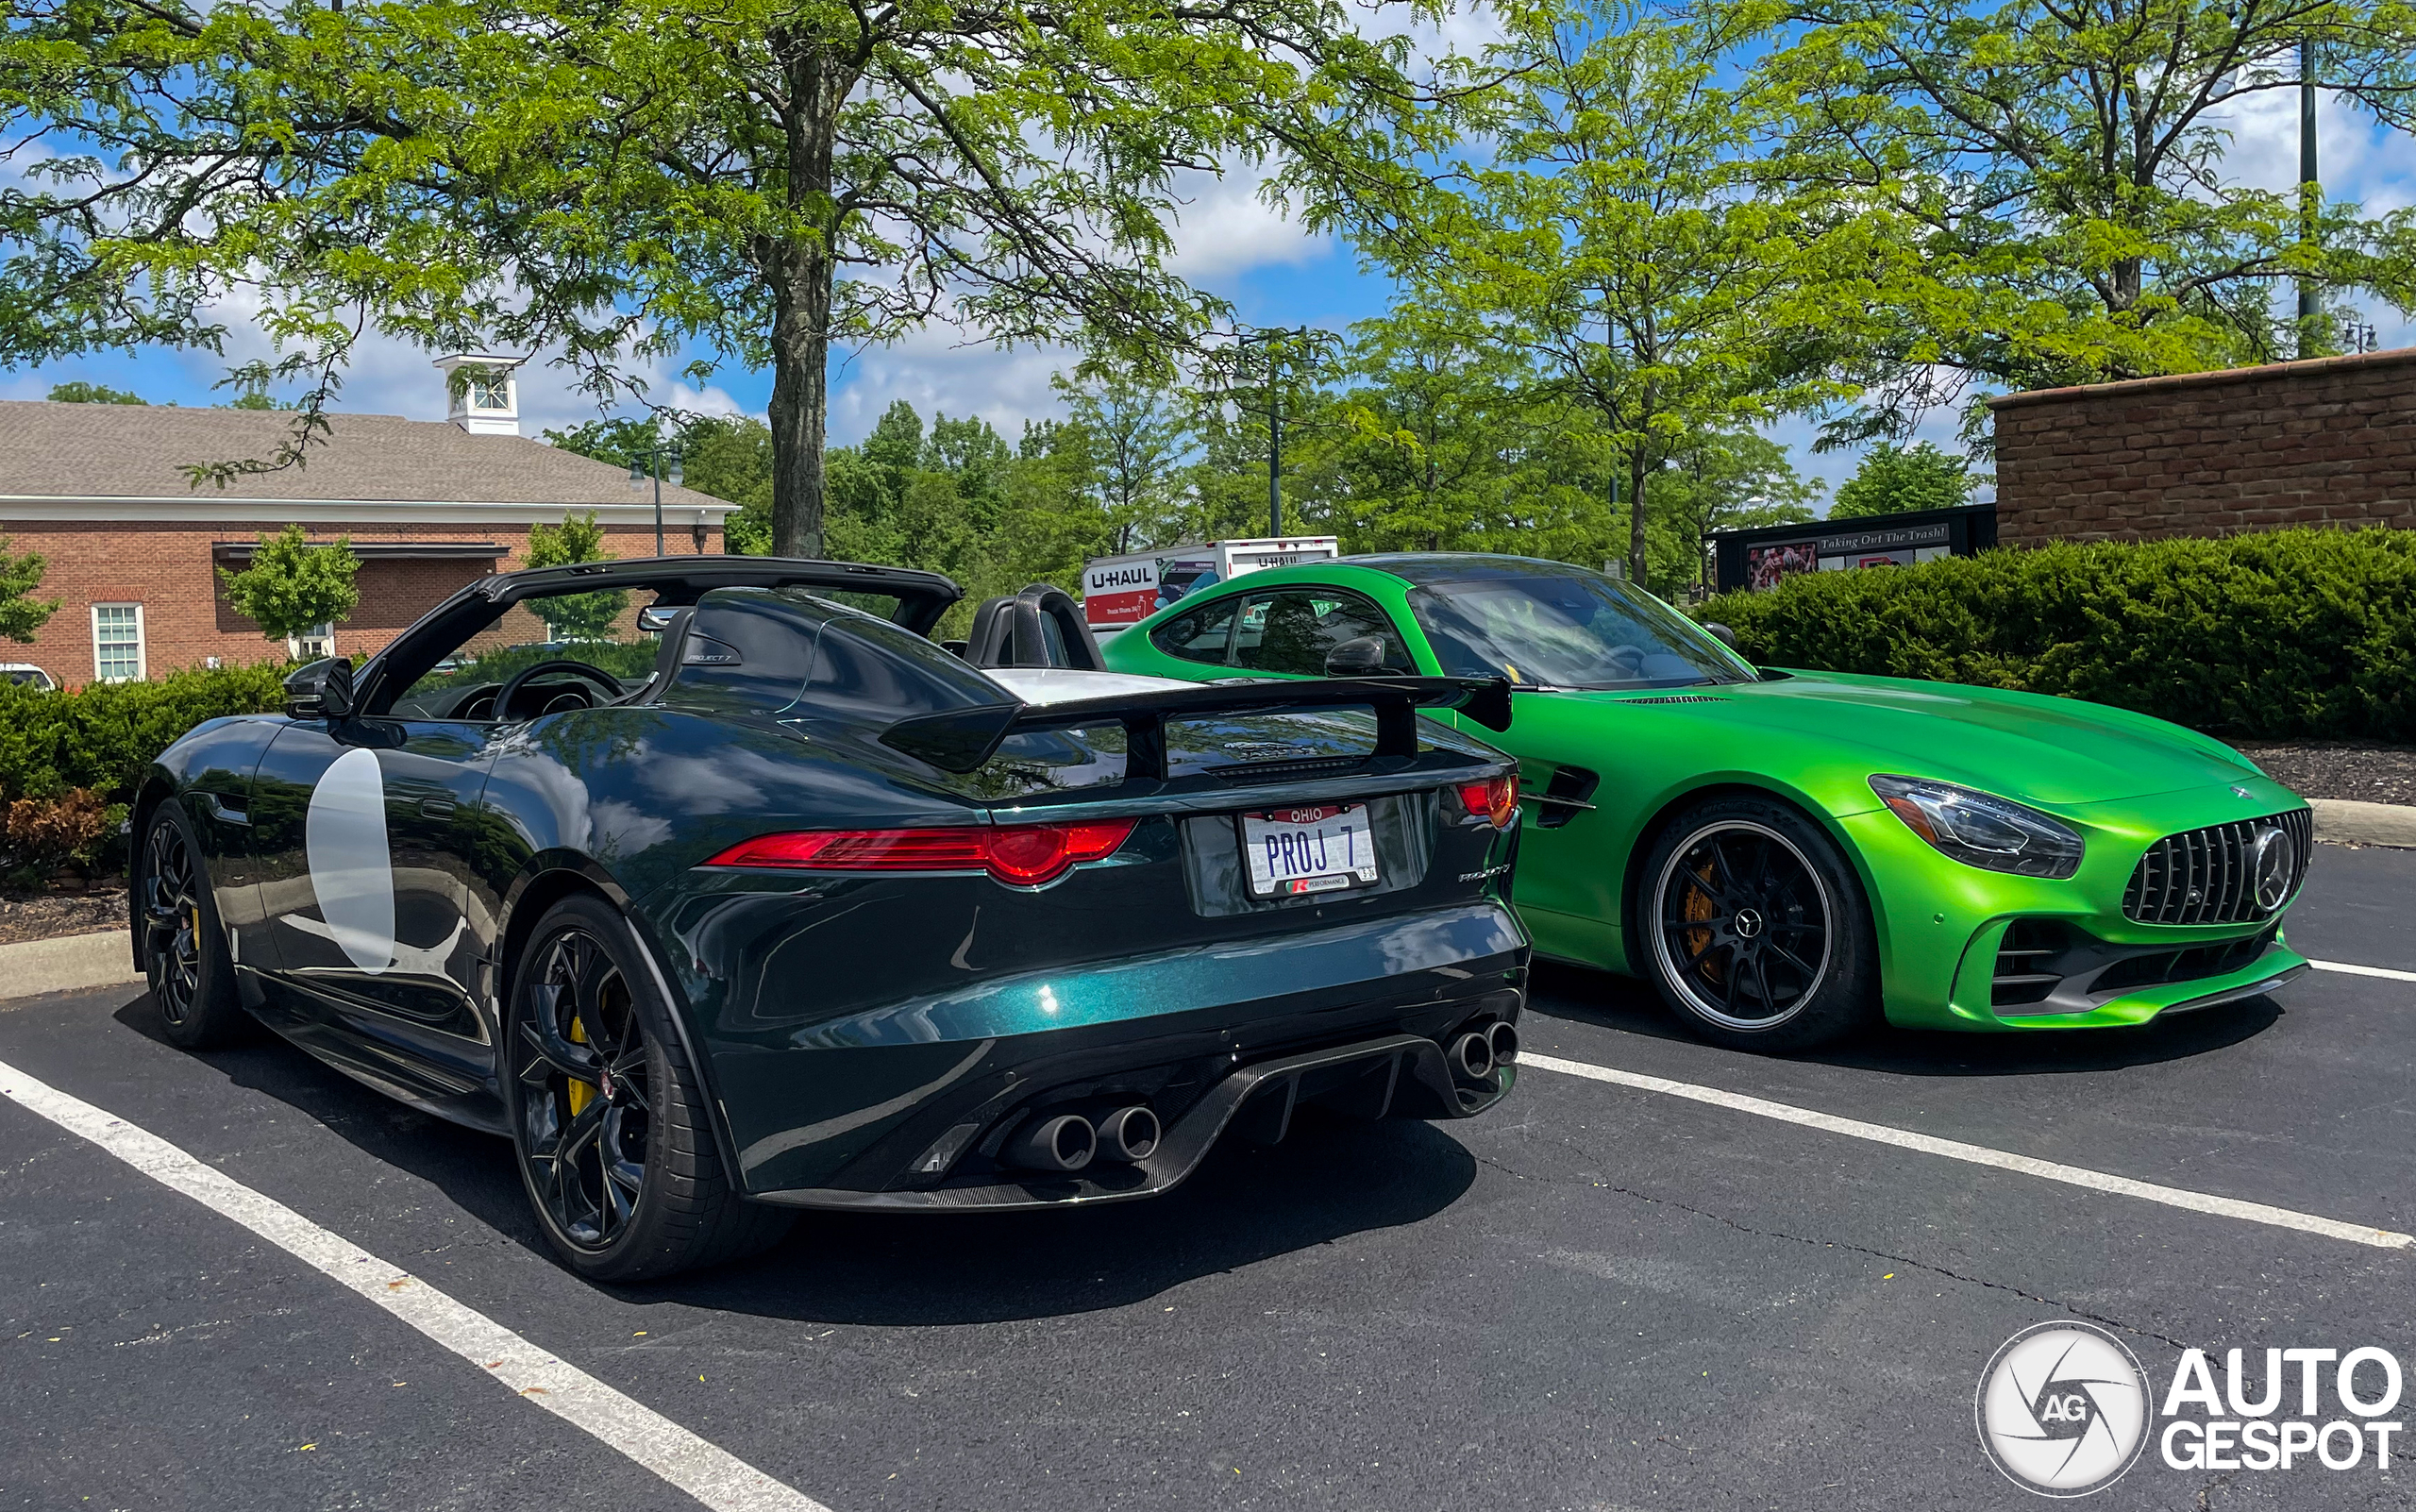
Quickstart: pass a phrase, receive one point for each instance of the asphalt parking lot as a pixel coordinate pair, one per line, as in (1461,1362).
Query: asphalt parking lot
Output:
(1598,1297)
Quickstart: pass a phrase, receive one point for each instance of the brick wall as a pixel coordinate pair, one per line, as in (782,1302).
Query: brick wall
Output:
(167,569)
(2329,441)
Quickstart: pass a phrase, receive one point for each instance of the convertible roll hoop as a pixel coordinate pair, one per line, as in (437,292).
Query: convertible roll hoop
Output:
(962,740)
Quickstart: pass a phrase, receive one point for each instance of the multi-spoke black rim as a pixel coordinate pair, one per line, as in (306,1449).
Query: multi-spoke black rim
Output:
(172,921)
(586,1096)
(1743,925)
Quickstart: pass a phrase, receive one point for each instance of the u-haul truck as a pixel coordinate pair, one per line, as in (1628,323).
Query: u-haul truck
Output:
(1121,591)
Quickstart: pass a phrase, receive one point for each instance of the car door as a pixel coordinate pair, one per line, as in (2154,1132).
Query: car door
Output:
(366,911)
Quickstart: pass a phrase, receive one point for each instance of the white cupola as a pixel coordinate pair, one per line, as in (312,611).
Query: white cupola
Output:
(482,394)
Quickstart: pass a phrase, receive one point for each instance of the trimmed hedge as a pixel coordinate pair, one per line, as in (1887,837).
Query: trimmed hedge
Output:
(2276,636)
(102,737)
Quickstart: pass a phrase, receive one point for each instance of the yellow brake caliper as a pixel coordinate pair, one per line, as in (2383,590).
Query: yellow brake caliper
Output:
(1698,906)
(580,1091)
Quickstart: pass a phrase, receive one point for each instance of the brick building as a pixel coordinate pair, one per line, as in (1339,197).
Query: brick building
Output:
(428,506)
(2328,441)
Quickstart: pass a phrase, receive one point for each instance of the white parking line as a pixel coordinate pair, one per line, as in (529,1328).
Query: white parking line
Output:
(2383,972)
(713,1476)
(1979,1154)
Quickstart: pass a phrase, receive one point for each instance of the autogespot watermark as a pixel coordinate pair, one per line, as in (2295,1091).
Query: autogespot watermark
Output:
(2065,1408)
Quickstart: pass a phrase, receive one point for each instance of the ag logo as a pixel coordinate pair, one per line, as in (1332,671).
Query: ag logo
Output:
(2063,1409)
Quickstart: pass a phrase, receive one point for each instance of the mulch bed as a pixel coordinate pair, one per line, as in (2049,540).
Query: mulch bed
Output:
(2338,769)
(46,916)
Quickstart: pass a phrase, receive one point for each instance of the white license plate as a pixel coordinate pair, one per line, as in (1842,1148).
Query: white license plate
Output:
(1310,850)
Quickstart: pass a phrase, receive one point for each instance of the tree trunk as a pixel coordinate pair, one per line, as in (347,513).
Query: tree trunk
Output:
(799,405)
(1637,474)
(800,271)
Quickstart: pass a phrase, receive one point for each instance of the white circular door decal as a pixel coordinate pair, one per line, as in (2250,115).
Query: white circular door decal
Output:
(350,869)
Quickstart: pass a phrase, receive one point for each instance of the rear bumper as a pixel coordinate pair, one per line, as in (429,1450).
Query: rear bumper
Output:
(897,1106)
(1397,1075)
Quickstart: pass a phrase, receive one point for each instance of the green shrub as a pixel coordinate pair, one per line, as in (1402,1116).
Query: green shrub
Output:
(103,737)
(2283,634)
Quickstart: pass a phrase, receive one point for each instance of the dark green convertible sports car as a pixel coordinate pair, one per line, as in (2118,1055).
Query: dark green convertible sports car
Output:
(1787,855)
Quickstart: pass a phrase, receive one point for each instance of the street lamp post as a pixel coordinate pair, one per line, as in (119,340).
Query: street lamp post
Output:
(661,464)
(1274,423)
(2310,197)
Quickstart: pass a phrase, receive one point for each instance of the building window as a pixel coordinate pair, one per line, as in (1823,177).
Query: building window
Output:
(315,644)
(117,643)
(488,390)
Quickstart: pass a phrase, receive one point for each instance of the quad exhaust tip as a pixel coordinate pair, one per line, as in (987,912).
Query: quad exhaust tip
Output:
(1472,1056)
(1477,1054)
(1128,1134)
(1063,1142)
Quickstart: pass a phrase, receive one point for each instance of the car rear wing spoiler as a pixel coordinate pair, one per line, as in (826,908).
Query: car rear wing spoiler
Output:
(962,739)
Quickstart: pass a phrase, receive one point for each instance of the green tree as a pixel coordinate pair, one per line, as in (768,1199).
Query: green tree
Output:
(656,180)
(729,456)
(574,616)
(1132,435)
(1623,235)
(1443,438)
(293,587)
(1899,479)
(2048,185)
(79,392)
(1730,481)
(21,615)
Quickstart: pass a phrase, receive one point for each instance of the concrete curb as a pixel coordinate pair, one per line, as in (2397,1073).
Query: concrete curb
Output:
(68,964)
(2346,821)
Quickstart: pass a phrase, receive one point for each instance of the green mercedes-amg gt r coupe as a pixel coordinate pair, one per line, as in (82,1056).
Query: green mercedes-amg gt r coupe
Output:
(1788,855)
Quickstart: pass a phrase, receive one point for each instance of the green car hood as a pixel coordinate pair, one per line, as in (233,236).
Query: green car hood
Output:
(2020,745)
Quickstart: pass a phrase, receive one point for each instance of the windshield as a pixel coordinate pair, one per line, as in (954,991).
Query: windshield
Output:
(1548,625)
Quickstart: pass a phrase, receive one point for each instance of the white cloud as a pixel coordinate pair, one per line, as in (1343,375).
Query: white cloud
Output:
(941,370)
(1224,227)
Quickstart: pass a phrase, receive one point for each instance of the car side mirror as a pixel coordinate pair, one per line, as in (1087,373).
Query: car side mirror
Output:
(1720,632)
(323,690)
(1362,656)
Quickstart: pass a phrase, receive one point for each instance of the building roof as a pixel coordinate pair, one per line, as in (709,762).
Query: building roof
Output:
(133,453)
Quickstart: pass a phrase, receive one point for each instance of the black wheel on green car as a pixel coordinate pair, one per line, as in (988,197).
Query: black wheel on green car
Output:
(608,1116)
(1754,928)
(184,949)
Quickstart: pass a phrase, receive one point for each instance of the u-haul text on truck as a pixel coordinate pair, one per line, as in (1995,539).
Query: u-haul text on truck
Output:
(1120,591)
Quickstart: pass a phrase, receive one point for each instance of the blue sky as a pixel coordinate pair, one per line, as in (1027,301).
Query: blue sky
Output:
(1226,242)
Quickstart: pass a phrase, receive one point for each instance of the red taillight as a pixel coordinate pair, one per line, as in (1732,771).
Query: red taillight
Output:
(1497,799)
(1024,855)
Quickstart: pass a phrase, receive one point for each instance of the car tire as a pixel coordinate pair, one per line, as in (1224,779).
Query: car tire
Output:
(1754,928)
(184,948)
(620,1164)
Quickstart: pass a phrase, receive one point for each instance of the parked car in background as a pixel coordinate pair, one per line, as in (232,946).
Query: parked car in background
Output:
(1788,855)
(768,902)
(27,674)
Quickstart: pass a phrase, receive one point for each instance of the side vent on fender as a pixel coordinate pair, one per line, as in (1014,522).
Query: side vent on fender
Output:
(1569,794)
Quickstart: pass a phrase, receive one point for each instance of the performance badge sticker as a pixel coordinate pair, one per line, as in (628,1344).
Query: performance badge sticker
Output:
(2063,1409)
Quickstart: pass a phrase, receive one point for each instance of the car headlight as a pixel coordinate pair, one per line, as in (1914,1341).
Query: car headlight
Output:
(1981,829)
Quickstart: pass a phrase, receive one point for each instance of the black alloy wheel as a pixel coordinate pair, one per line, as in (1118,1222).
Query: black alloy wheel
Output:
(609,1118)
(184,953)
(583,1086)
(1756,928)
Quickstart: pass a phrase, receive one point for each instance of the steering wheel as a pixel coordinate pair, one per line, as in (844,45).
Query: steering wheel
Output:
(1631,656)
(503,695)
